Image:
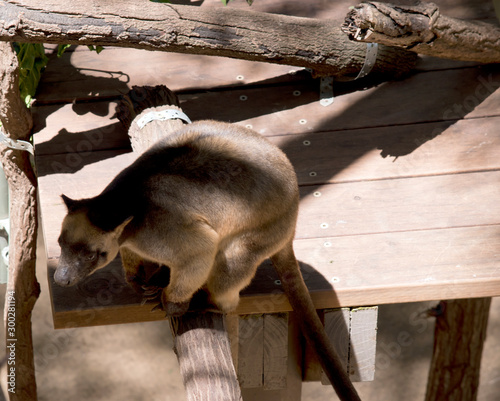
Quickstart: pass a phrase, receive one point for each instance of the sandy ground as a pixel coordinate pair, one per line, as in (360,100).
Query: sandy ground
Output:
(136,361)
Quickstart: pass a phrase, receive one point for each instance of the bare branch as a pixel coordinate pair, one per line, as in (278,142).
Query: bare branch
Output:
(244,34)
(422,29)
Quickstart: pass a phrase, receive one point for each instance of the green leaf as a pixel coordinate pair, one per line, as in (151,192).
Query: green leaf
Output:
(61,49)
(96,49)
(32,61)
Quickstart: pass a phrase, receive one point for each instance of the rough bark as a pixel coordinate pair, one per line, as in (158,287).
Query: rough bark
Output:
(200,339)
(22,287)
(204,354)
(458,344)
(140,101)
(422,29)
(244,34)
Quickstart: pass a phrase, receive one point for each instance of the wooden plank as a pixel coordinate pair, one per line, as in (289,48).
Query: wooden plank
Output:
(294,108)
(468,148)
(78,128)
(293,389)
(336,210)
(363,344)
(338,329)
(85,75)
(360,154)
(388,268)
(394,151)
(381,206)
(232,327)
(353,334)
(468,145)
(251,351)
(275,351)
(424,97)
(357,270)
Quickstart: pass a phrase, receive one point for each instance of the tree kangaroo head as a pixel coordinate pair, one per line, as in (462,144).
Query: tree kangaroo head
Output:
(85,247)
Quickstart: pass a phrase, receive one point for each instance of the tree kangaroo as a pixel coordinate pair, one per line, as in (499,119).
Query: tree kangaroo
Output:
(211,201)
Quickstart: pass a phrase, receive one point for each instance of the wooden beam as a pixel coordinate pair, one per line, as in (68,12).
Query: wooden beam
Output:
(245,34)
(22,287)
(458,345)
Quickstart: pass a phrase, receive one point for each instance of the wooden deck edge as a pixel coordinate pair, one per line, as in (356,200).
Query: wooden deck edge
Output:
(111,305)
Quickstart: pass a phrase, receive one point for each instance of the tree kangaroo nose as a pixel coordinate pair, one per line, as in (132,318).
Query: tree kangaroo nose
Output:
(63,277)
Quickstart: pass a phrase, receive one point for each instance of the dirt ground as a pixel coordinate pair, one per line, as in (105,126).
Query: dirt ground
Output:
(136,361)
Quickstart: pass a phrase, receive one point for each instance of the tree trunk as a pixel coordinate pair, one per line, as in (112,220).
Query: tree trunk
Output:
(201,342)
(458,345)
(204,354)
(422,29)
(22,287)
(244,34)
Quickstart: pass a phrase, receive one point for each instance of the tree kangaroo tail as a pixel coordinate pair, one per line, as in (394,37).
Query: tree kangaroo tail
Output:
(298,295)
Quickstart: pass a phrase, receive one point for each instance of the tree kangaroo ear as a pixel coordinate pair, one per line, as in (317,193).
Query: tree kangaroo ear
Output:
(71,204)
(118,230)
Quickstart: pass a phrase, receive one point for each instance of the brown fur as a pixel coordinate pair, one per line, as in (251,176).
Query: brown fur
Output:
(211,202)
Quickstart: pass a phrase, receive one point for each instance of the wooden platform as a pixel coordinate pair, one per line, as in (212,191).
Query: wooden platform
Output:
(399,182)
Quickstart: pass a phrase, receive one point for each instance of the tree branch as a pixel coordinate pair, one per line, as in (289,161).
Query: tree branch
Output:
(22,287)
(422,29)
(244,34)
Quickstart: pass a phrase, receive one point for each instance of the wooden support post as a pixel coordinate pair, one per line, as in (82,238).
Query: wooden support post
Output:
(458,345)
(200,339)
(204,354)
(279,358)
(22,287)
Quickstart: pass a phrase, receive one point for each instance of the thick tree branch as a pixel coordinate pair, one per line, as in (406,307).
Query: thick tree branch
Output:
(422,29)
(244,34)
(22,287)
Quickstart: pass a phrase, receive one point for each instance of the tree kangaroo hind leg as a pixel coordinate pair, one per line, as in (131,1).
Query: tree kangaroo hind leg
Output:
(191,269)
(234,269)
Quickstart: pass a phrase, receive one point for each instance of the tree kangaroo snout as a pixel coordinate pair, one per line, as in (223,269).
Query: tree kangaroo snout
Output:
(211,201)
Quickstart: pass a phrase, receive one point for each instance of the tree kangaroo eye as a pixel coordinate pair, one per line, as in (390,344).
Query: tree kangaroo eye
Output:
(91,257)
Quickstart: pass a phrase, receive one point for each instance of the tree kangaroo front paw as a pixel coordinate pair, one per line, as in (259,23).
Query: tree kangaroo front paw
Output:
(151,294)
(136,280)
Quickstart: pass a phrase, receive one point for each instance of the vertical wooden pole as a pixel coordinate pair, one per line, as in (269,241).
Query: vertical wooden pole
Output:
(458,344)
(200,339)
(202,347)
(22,287)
